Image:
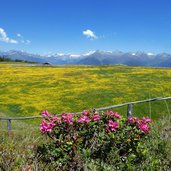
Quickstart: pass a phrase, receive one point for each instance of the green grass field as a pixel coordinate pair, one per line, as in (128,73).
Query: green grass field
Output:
(26,90)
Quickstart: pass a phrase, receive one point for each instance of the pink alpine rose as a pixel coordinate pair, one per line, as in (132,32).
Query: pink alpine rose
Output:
(46,126)
(144,127)
(146,120)
(56,119)
(67,117)
(133,120)
(112,126)
(96,117)
(84,119)
(85,113)
(114,114)
(45,113)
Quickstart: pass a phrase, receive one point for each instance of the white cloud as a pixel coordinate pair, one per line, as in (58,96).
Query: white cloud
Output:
(18,35)
(22,40)
(5,38)
(89,34)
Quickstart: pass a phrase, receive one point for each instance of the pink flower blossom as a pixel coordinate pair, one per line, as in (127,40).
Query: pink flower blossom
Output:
(67,117)
(84,119)
(138,122)
(114,114)
(112,126)
(85,113)
(56,119)
(96,117)
(133,120)
(146,120)
(144,127)
(45,113)
(46,127)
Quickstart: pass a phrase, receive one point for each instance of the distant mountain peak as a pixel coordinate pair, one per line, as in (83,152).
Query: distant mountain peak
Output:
(97,57)
(89,53)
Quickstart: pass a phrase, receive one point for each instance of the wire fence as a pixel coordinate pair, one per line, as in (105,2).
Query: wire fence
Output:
(129,110)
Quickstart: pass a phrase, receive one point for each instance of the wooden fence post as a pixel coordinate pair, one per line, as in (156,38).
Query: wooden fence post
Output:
(130,110)
(9,124)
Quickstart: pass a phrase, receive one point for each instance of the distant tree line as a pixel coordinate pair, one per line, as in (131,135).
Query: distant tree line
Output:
(6,59)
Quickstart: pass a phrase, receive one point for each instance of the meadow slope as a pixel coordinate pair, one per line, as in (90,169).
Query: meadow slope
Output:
(26,90)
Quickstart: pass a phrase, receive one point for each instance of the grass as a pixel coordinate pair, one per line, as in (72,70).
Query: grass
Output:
(26,90)
(18,147)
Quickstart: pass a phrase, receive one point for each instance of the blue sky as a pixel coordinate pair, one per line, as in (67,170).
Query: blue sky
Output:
(75,26)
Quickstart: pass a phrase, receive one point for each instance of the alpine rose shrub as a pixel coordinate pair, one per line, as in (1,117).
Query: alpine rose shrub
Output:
(83,119)
(92,134)
(114,114)
(67,117)
(45,113)
(46,126)
(112,126)
(142,125)
(96,117)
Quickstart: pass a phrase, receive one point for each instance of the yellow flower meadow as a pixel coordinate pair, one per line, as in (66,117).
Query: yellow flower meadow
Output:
(26,90)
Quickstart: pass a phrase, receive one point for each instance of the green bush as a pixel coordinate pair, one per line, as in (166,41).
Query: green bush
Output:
(100,141)
(22,149)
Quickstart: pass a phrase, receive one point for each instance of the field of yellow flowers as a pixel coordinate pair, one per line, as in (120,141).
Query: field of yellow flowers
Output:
(27,90)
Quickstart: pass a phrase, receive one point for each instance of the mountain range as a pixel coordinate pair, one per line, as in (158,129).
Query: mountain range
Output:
(95,58)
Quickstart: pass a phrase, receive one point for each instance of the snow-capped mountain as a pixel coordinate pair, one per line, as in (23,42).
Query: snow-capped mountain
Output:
(95,58)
